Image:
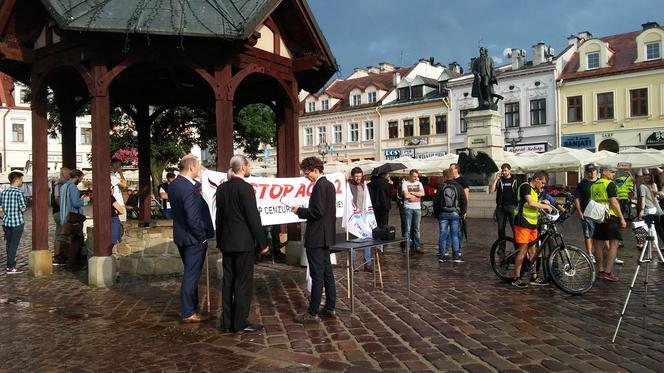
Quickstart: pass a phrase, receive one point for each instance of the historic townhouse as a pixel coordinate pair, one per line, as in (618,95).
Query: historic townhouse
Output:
(341,122)
(612,91)
(414,116)
(529,105)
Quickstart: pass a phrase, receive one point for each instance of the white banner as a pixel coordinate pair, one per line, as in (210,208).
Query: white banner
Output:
(272,193)
(359,220)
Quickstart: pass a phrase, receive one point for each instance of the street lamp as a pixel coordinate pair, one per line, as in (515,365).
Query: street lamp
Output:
(514,140)
(323,149)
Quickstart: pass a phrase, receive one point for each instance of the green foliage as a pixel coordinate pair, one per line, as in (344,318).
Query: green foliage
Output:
(255,124)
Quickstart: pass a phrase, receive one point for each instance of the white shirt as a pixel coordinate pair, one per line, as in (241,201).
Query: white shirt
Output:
(412,187)
(115,180)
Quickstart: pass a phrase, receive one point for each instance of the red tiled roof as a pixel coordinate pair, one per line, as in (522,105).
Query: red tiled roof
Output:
(341,89)
(624,51)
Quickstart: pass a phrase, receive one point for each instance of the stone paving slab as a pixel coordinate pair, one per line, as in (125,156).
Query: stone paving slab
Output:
(459,317)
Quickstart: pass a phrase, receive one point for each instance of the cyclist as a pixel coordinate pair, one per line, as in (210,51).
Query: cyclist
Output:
(525,221)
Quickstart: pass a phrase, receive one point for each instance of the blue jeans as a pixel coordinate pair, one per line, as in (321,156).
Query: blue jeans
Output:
(12,237)
(413,226)
(460,235)
(367,256)
(449,223)
(167,214)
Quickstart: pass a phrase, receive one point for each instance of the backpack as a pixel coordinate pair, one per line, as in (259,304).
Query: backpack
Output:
(447,199)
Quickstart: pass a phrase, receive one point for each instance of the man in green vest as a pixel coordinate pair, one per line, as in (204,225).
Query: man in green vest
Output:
(525,223)
(625,186)
(607,234)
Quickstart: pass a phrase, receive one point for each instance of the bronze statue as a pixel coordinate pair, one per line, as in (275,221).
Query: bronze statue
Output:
(485,78)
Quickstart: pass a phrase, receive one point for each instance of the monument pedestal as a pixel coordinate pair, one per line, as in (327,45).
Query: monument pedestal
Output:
(484,133)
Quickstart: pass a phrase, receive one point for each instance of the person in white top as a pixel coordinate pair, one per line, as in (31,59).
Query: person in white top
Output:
(118,181)
(413,191)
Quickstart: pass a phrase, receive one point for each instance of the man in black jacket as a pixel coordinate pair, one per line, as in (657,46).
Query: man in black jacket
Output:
(319,236)
(380,192)
(239,234)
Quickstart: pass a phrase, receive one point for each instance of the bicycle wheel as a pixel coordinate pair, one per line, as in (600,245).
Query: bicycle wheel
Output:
(503,254)
(572,270)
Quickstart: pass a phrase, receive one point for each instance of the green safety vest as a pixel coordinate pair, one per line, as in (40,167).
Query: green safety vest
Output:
(599,194)
(625,185)
(528,213)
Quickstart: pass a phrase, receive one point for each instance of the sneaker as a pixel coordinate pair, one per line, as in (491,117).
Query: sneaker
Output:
(457,259)
(538,281)
(14,271)
(305,317)
(59,260)
(444,258)
(619,261)
(608,276)
(419,250)
(592,258)
(324,312)
(518,283)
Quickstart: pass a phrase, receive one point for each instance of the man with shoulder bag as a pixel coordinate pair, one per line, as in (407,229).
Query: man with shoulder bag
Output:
(73,215)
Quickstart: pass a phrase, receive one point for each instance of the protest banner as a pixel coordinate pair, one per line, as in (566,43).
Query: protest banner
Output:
(274,196)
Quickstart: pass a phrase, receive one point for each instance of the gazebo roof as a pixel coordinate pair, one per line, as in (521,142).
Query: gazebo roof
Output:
(227,19)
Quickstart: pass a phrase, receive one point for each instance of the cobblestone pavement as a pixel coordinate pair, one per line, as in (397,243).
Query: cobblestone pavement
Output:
(459,317)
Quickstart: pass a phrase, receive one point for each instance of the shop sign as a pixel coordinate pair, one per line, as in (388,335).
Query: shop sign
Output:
(538,148)
(578,141)
(393,153)
(408,153)
(657,138)
(430,154)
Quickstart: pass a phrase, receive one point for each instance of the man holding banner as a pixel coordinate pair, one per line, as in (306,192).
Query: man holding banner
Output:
(319,236)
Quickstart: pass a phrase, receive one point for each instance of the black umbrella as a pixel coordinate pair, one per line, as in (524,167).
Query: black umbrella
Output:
(387,168)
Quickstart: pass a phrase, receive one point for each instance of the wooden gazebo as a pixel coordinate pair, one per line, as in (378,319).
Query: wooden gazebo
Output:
(221,54)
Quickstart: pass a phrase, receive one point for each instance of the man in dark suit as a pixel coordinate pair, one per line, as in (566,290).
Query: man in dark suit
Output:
(239,234)
(192,226)
(319,236)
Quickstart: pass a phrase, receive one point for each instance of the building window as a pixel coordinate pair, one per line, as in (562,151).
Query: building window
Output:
(322,135)
(605,105)
(392,130)
(638,99)
(368,130)
(18,132)
(425,126)
(308,136)
(593,60)
(312,106)
(408,130)
(86,136)
(25,96)
(653,51)
(574,109)
(337,133)
(371,97)
(417,91)
(354,132)
(538,111)
(463,126)
(357,99)
(512,114)
(404,93)
(325,104)
(441,124)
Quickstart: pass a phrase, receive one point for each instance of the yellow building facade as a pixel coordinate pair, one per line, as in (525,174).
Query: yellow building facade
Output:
(611,92)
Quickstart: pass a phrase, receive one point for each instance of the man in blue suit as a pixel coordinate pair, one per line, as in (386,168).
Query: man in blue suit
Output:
(192,226)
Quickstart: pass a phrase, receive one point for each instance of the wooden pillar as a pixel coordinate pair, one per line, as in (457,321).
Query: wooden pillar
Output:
(144,169)
(288,154)
(101,165)
(66,103)
(40,197)
(224,116)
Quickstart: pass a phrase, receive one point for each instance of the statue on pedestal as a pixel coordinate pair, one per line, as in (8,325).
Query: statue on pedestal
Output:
(485,78)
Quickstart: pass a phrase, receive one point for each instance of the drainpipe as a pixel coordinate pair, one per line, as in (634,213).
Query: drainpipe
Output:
(446,102)
(4,138)
(380,128)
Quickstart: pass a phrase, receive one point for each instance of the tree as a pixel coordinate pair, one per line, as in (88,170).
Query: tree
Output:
(255,124)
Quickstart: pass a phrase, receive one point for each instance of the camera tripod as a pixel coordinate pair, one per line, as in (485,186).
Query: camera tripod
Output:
(644,258)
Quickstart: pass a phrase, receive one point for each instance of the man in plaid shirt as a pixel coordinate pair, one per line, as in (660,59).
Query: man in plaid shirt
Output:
(12,207)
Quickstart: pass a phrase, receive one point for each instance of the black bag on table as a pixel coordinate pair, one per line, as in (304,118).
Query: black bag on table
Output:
(384,232)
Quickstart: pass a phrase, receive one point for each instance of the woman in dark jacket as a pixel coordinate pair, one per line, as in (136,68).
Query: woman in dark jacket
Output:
(380,191)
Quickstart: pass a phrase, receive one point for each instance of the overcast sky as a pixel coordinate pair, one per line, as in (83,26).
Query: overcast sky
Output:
(365,32)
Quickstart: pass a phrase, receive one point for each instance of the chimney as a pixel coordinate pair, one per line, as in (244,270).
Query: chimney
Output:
(373,70)
(649,25)
(541,53)
(359,72)
(386,67)
(573,40)
(454,66)
(396,79)
(585,35)
(431,60)
(518,58)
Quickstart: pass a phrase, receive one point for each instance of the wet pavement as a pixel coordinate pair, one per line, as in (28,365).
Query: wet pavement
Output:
(459,317)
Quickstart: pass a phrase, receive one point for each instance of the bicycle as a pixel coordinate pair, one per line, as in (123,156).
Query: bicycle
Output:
(570,268)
